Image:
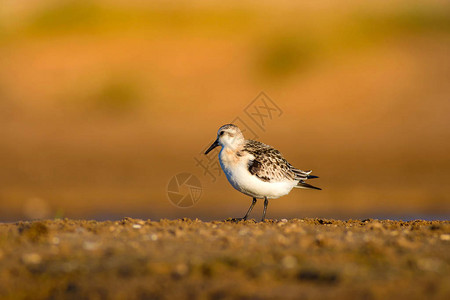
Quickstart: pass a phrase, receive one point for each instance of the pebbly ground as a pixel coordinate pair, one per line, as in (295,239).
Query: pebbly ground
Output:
(191,259)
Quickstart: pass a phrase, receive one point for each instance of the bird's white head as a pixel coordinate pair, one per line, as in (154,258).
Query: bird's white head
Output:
(228,136)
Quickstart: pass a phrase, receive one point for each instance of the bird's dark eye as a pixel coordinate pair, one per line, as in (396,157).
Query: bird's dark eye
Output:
(221,133)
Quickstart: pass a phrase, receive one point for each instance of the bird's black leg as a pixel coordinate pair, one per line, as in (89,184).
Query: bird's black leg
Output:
(249,209)
(266,202)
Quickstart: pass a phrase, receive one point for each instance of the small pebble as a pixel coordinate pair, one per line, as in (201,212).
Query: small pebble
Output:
(31,258)
(429,264)
(289,262)
(181,269)
(445,237)
(243,232)
(90,246)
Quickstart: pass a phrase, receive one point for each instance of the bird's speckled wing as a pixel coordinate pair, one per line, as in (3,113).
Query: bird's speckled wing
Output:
(269,165)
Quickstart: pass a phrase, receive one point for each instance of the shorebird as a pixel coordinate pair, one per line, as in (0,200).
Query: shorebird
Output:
(256,169)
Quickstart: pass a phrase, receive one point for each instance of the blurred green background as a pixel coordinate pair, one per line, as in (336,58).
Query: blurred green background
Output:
(103,102)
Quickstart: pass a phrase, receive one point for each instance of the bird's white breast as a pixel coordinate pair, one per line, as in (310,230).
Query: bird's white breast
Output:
(236,169)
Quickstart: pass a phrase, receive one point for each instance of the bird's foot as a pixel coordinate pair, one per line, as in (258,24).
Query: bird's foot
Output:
(233,220)
(236,220)
(268,220)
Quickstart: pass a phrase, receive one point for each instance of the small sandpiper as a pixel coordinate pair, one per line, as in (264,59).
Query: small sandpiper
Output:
(256,169)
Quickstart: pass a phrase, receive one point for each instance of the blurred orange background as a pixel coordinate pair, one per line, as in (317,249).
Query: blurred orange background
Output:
(103,102)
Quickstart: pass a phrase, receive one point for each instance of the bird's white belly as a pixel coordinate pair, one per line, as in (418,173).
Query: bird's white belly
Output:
(242,180)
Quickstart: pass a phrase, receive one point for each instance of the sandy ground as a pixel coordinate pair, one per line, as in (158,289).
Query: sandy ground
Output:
(191,259)
(102,103)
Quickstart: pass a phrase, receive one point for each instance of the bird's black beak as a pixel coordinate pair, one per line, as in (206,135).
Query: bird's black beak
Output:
(214,145)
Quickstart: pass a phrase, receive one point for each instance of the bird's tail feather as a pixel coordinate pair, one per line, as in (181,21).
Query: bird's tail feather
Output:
(303,175)
(303,185)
